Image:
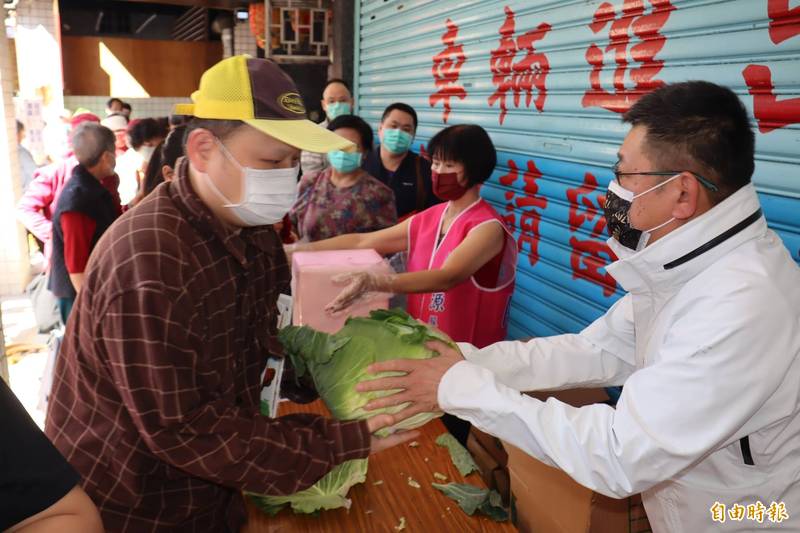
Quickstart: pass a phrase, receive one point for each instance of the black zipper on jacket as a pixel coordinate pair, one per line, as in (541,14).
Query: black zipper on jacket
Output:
(747,456)
(716,241)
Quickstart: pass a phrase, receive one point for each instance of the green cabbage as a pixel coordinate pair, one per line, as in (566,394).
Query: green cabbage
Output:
(338,362)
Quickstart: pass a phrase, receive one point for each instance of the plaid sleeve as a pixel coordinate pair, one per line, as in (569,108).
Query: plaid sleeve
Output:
(157,364)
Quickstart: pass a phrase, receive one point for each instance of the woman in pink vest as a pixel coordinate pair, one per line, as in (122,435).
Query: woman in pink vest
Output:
(461,257)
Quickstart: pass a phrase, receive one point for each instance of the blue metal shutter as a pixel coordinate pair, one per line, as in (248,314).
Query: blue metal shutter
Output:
(556,145)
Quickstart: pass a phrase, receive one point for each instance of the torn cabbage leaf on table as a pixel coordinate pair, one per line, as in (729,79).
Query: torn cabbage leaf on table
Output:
(471,499)
(330,492)
(460,456)
(338,362)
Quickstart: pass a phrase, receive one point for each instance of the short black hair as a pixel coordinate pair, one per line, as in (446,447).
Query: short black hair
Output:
(336,80)
(468,144)
(700,127)
(141,131)
(153,176)
(20,127)
(126,105)
(112,101)
(221,129)
(356,123)
(172,147)
(400,106)
(167,153)
(179,120)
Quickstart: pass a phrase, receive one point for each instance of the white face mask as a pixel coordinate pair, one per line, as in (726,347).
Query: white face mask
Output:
(267,196)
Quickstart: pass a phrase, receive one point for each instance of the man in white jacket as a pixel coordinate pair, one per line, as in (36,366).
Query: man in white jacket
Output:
(706,341)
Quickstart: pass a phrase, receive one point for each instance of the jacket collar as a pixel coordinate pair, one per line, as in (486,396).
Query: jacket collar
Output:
(687,251)
(84,176)
(235,240)
(374,165)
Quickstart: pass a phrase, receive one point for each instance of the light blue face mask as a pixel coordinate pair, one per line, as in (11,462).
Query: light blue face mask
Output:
(337,109)
(344,162)
(397,141)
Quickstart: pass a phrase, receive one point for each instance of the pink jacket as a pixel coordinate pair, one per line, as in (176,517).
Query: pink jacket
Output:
(36,207)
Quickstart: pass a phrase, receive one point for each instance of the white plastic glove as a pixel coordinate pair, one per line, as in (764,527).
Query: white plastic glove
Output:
(359,287)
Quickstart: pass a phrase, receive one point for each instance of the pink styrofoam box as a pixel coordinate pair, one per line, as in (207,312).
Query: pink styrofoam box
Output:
(313,287)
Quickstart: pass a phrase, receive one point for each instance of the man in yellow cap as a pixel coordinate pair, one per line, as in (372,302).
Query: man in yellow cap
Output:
(156,396)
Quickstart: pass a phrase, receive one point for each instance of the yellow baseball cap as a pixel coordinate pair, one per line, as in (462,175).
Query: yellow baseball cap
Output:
(259,93)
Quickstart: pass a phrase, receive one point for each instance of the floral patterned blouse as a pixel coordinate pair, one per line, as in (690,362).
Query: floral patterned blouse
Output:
(323,210)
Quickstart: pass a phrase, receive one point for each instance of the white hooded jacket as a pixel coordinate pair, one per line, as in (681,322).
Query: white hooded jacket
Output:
(707,345)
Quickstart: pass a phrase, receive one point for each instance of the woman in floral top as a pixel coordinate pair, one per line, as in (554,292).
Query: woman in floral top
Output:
(343,198)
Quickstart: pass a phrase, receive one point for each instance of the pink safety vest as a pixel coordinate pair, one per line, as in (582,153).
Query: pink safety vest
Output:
(471,311)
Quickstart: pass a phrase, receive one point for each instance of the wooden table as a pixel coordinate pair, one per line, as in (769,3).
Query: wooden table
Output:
(378,508)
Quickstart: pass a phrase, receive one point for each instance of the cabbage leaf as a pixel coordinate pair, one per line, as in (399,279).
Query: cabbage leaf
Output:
(330,492)
(460,456)
(471,499)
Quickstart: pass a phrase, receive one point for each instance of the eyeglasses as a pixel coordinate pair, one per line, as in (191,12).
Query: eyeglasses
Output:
(708,184)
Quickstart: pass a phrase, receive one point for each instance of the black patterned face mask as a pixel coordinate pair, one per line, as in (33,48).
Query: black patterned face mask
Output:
(616,211)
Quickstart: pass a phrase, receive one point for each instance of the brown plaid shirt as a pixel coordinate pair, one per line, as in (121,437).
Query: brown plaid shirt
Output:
(156,396)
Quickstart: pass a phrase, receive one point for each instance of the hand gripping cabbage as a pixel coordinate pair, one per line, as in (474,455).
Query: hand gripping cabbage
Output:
(338,362)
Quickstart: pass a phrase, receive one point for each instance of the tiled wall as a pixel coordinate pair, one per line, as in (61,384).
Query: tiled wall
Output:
(38,53)
(33,12)
(243,40)
(13,254)
(142,107)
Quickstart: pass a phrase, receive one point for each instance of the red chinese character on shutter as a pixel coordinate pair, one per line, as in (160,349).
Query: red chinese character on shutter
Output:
(527,204)
(784,23)
(446,70)
(770,112)
(589,256)
(632,21)
(526,75)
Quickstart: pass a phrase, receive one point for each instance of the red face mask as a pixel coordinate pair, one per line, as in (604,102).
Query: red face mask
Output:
(446,186)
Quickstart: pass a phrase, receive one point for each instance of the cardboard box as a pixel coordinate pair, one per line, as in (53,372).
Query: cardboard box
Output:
(313,287)
(492,460)
(546,500)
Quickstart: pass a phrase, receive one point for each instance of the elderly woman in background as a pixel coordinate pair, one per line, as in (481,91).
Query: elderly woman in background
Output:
(343,198)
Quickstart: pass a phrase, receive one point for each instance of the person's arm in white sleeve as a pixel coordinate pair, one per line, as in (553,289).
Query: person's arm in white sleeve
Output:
(601,355)
(708,383)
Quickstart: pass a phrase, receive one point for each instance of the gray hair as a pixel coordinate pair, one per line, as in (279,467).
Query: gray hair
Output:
(90,141)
